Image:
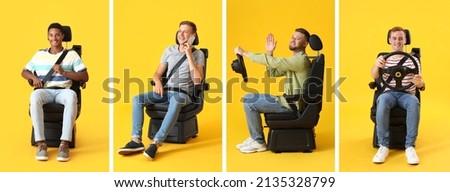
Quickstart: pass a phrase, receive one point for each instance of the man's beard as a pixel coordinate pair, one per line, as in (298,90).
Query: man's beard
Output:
(294,48)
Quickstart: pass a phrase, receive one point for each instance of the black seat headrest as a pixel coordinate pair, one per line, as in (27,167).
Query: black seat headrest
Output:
(67,34)
(407,35)
(196,41)
(315,42)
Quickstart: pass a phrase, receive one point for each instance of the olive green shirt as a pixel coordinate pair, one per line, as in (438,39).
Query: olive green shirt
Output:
(296,69)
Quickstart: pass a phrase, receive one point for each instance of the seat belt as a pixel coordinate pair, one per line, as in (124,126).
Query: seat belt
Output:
(166,79)
(58,62)
(291,99)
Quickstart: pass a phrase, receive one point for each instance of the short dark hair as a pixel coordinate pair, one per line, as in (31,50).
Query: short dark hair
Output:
(190,23)
(56,26)
(304,32)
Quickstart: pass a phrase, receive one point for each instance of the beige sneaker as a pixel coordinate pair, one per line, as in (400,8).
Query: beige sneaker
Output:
(41,154)
(63,153)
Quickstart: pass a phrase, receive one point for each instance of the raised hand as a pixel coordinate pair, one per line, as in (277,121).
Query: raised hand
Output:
(271,44)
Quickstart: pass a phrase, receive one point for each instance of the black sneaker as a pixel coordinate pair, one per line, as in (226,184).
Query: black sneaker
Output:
(151,151)
(131,147)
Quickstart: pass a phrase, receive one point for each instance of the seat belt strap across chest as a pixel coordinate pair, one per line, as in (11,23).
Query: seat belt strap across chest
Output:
(58,62)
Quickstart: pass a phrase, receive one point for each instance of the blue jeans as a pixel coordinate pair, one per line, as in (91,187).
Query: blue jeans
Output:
(176,101)
(385,102)
(66,97)
(254,105)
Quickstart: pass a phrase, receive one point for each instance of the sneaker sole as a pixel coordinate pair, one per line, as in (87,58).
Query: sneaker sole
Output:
(62,159)
(41,158)
(413,163)
(253,151)
(378,162)
(130,151)
(148,156)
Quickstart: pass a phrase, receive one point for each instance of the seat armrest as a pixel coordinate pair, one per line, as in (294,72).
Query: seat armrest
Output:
(372,85)
(292,98)
(200,88)
(302,97)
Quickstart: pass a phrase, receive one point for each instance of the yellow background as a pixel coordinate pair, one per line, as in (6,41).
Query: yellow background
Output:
(142,30)
(24,31)
(248,23)
(363,33)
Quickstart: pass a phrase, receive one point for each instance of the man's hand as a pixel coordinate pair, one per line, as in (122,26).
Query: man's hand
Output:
(380,62)
(58,69)
(158,88)
(418,81)
(187,48)
(37,83)
(271,44)
(239,50)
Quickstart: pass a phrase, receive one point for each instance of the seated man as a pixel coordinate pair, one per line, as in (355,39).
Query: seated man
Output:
(389,99)
(189,73)
(296,69)
(56,89)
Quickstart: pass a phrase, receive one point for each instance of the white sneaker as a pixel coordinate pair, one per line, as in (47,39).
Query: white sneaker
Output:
(411,156)
(381,155)
(240,145)
(253,146)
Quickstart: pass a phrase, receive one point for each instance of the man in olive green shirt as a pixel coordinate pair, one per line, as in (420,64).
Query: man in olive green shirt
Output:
(296,69)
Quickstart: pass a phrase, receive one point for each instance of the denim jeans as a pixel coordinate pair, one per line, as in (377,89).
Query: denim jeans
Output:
(385,102)
(66,97)
(254,105)
(176,101)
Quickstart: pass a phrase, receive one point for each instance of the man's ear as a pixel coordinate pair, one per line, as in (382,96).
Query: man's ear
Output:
(305,44)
